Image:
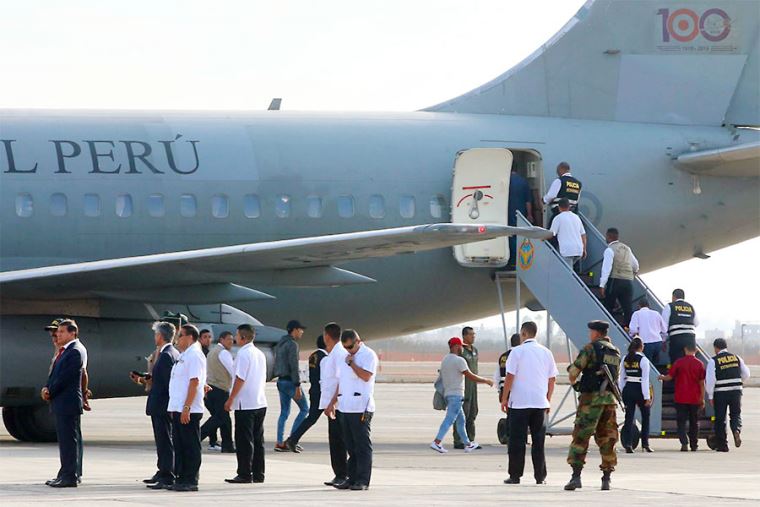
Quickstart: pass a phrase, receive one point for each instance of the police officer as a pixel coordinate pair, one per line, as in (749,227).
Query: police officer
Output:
(564,186)
(501,366)
(682,323)
(470,405)
(596,404)
(634,384)
(723,383)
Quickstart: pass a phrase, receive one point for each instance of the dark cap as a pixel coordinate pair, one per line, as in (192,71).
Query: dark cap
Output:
(294,324)
(54,324)
(599,325)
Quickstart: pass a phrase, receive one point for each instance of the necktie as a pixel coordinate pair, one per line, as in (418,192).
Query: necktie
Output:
(60,351)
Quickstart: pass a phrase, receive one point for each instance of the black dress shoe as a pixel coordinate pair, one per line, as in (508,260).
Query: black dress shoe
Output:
(334,481)
(359,487)
(345,484)
(647,448)
(239,480)
(541,481)
(153,479)
(684,448)
(628,449)
(512,480)
(258,480)
(159,485)
(79,480)
(50,481)
(63,484)
(722,449)
(228,450)
(184,487)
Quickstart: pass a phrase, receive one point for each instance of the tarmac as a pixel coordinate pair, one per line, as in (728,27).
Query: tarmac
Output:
(119,453)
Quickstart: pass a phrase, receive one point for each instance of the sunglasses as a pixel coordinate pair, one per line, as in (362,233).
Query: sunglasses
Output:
(349,347)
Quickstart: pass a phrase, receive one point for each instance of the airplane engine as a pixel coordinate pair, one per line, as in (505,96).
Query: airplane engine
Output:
(114,347)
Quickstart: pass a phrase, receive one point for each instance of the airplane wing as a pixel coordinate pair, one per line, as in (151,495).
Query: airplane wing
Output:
(223,271)
(742,160)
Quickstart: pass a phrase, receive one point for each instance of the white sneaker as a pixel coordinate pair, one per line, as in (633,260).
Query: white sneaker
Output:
(438,447)
(217,448)
(471,447)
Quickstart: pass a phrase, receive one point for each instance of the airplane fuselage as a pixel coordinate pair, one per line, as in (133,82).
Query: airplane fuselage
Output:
(266,176)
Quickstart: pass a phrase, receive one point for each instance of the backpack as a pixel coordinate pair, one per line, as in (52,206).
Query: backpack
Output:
(439,402)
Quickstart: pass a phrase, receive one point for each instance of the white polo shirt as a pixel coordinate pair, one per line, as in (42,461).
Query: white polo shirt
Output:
(250,366)
(532,365)
(191,364)
(328,374)
(568,228)
(648,324)
(356,396)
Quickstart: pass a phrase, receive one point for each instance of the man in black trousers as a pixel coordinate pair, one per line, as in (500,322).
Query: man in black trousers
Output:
(249,402)
(527,394)
(186,409)
(328,381)
(315,360)
(158,401)
(64,392)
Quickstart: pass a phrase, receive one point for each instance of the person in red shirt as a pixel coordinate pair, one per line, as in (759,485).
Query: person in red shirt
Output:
(689,375)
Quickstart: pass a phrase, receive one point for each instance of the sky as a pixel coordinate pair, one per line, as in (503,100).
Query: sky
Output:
(329,55)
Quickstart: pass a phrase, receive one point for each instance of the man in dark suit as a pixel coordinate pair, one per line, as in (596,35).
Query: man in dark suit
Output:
(158,401)
(64,392)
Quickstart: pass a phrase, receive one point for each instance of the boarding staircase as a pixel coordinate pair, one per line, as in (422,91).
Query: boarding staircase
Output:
(571,301)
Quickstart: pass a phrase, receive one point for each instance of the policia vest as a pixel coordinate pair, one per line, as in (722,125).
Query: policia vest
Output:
(633,371)
(728,374)
(681,319)
(503,370)
(570,189)
(592,376)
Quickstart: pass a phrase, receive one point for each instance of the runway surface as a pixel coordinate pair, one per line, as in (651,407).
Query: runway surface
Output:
(119,453)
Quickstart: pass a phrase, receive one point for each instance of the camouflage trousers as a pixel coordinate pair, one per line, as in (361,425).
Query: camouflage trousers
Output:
(599,421)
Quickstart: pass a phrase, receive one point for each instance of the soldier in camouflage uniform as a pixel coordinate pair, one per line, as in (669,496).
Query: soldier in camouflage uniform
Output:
(470,404)
(596,413)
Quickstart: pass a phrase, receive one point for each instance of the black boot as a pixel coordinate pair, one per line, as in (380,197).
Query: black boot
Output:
(575,480)
(606,480)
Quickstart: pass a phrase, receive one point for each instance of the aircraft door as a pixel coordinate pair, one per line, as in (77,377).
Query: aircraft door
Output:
(480,195)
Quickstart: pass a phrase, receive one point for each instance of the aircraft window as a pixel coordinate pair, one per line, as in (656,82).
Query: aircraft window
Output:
(282,206)
(188,206)
(376,206)
(124,205)
(24,205)
(220,206)
(251,206)
(314,206)
(156,205)
(406,206)
(91,205)
(58,205)
(345,206)
(437,204)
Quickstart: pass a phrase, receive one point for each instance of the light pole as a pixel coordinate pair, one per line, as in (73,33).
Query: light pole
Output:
(742,335)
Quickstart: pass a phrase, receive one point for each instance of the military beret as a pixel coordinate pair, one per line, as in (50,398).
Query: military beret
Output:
(599,325)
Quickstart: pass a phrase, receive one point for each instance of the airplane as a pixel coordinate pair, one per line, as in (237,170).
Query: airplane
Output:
(111,217)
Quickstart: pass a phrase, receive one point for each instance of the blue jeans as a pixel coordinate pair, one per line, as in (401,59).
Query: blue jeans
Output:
(454,415)
(652,351)
(287,390)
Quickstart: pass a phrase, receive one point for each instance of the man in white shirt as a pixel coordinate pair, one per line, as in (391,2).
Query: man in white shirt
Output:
(649,326)
(356,406)
(528,389)
(220,374)
(248,400)
(186,408)
(570,233)
(619,268)
(328,383)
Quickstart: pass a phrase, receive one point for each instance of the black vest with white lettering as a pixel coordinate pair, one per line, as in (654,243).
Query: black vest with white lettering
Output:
(681,318)
(632,367)
(570,189)
(728,372)
(503,369)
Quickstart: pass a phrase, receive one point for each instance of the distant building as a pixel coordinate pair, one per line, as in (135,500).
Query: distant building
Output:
(712,334)
(751,331)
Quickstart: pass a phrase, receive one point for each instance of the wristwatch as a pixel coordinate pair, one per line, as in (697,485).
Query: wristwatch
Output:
(186,408)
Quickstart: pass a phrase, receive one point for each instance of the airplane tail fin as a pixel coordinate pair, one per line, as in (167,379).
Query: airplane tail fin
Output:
(682,63)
